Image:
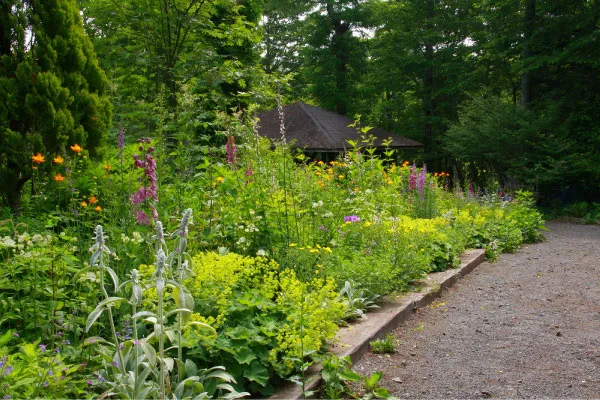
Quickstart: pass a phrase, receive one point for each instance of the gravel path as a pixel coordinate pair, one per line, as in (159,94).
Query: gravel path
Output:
(526,326)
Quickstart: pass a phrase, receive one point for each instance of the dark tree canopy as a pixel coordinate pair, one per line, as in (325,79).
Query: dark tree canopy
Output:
(52,89)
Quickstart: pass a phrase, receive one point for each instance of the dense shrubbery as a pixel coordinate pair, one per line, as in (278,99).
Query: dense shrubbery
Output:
(253,285)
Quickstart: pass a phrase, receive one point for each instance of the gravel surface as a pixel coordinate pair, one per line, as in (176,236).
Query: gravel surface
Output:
(526,326)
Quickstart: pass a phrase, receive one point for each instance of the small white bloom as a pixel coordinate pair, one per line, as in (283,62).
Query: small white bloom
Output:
(261,253)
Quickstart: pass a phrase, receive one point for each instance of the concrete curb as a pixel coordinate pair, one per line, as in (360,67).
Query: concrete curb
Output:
(353,341)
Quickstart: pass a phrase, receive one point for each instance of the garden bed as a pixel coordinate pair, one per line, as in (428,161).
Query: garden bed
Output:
(353,341)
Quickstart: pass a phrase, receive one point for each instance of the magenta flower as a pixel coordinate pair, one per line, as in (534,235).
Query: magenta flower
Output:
(351,218)
(231,150)
(421,181)
(121,139)
(145,194)
(412,177)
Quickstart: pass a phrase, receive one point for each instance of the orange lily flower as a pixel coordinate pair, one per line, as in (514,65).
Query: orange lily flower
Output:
(38,158)
(58,159)
(59,178)
(76,148)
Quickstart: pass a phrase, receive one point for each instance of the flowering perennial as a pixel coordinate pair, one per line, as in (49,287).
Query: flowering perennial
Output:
(148,193)
(351,218)
(231,150)
(38,158)
(421,181)
(121,139)
(412,177)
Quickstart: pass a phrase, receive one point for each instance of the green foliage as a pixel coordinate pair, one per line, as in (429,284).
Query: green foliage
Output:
(143,366)
(589,212)
(34,369)
(357,300)
(337,373)
(277,238)
(383,346)
(37,292)
(54,88)
(268,322)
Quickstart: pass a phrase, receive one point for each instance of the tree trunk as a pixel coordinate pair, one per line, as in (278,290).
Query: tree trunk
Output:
(528,33)
(14,196)
(428,80)
(340,29)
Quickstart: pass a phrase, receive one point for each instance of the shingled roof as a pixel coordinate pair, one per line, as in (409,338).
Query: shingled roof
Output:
(315,129)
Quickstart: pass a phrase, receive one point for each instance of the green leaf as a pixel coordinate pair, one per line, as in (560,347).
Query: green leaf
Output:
(94,315)
(6,337)
(382,393)
(257,373)
(244,355)
(350,376)
(179,390)
(113,276)
(143,314)
(373,380)
(178,311)
(149,351)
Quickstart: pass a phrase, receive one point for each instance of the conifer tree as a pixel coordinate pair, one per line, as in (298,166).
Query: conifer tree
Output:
(52,90)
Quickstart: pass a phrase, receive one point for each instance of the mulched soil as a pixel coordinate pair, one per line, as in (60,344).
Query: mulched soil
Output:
(526,326)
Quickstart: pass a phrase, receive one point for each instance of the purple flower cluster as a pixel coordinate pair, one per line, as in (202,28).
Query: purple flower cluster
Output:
(351,218)
(231,150)
(145,194)
(249,172)
(421,181)
(412,177)
(121,139)
(5,369)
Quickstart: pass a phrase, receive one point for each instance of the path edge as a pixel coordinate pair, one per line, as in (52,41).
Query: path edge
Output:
(353,341)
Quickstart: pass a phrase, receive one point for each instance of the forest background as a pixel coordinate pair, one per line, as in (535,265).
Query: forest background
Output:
(507,86)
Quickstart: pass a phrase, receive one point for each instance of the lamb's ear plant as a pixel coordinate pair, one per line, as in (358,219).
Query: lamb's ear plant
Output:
(138,369)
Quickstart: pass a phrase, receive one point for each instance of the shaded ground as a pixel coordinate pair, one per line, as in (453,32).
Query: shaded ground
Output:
(526,326)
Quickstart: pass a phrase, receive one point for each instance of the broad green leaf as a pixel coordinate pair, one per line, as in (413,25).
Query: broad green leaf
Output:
(179,390)
(113,276)
(244,355)
(350,376)
(169,363)
(149,351)
(177,311)
(257,372)
(382,393)
(94,315)
(143,314)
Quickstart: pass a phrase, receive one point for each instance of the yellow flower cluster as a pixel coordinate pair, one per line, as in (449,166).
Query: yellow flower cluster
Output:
(216,276)
(316,307)
(317,249)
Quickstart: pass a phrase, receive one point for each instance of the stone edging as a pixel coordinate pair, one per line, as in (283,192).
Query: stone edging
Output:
(354,340)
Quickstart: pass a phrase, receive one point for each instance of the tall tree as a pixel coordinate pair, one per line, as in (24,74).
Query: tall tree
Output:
(52,89)
(318,41)
(157,51)
(422,67)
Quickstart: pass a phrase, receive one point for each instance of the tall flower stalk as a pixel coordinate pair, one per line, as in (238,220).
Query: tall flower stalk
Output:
(146,194)
(183,270)
(99,252)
